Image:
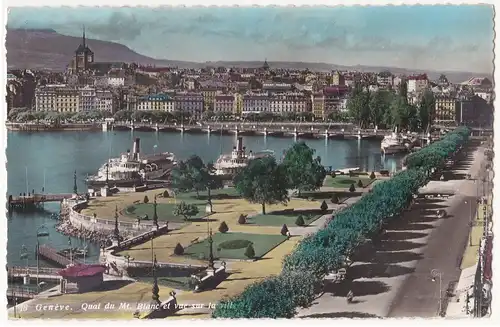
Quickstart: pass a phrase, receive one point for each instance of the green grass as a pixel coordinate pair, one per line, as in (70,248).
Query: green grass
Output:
(164,211)
(284,217)
(219,194)
(261,244)
(344,181)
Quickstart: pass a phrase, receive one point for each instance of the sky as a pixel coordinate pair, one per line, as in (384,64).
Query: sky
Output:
(444,38)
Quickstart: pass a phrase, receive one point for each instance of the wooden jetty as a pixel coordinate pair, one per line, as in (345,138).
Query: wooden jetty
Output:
(36,199)
(50,254)
(42,273)
(18,292)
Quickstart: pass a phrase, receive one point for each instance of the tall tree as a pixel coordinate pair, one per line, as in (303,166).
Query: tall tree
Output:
(379,104)
(356,103)
(427,109)
(263,181)
(304,172)
(194,175)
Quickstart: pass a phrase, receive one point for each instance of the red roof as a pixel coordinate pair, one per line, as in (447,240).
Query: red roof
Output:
(487,271)
(82,270)
(421,77)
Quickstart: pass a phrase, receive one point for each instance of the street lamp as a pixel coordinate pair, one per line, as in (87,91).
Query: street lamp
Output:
(471,221)
(24,255)
(41,231)
(435,273)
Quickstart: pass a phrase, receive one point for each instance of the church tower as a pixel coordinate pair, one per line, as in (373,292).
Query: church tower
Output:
(83,57)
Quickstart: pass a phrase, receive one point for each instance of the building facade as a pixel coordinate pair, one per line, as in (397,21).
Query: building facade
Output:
(287,103)
(191,103)
(155,102)
(59,98)
(445,109)
(225,103)
(255,103)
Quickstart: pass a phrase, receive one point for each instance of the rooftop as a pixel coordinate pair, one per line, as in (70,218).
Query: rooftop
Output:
(82,270)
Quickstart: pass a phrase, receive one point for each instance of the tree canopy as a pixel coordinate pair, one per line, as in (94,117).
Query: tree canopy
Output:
(304,172)
(263,181)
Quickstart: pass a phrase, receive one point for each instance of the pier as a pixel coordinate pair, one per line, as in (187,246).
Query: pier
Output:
(36,199)
(50,254)
(42,273)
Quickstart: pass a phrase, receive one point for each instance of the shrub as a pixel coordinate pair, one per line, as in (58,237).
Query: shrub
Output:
(323,206)
(333,174)
(146,199)
(250,252)
(360,183)
(300,221)
(352,188)
(186,210)
(223,227)
(179,250)
(242,219)
(284,230)
(372,175)
(165,194)
(335,199)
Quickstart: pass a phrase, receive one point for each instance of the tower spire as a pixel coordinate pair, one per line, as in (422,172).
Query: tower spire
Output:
(83,36)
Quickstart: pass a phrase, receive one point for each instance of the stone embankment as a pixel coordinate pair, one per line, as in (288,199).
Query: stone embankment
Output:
(65,227)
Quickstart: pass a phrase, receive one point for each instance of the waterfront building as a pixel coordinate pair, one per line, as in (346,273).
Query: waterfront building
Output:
(445,109)
(474,111)
(255,103)
(59,98)
(225,103)
(105,100)
(87,99)
(318,105)
(287,103)
(209,94)
(334,96)
(162,102)
(191,103)
(82,59)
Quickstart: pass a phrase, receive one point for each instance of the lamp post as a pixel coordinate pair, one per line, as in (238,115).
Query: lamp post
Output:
(471,221)
(155,214)
(41,231)
(435,273)
(70,251)
(211,251)
(24,255)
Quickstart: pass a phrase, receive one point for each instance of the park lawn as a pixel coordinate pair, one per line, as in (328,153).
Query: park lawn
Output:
(261,243)
(470,256)
(344,181)
(278,218)
(165,211)
(225,210)
(218,194)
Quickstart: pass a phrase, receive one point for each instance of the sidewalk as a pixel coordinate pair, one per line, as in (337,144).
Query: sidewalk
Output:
(457,304)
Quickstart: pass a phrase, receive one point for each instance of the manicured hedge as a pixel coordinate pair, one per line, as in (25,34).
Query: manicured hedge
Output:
(325,251)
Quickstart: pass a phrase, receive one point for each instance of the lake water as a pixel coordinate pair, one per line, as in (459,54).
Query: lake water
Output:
(49,159)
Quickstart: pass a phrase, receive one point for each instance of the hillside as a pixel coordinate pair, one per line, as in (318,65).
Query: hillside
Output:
(47,49)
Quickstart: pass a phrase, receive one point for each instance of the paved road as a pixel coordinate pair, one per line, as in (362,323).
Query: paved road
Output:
(391,276)
(419,295)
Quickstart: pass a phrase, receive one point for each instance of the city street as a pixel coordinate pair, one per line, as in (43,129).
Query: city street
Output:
(392,276)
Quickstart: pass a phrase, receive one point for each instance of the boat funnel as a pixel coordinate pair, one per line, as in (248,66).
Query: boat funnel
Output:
(136,149)
(239,145)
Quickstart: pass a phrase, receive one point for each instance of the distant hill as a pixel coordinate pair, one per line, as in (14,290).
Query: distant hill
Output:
(47,49)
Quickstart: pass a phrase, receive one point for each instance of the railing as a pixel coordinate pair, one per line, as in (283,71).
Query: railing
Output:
(20,292)
(32,271)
